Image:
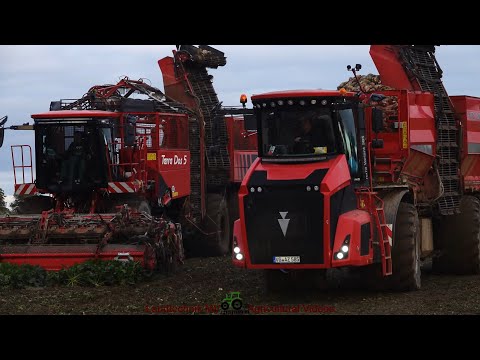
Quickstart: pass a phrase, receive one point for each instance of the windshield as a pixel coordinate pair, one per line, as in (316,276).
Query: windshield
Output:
(297,132)
(72,152)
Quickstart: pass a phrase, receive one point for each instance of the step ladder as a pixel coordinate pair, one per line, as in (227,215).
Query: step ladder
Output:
(368,200)
(385,234)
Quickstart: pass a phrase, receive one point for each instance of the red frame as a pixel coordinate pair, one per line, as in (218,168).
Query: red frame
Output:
(467,109)
(337,178)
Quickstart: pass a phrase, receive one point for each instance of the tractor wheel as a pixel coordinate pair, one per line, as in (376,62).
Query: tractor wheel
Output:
(459,240)
(406,250)
(224,306)
(237,304)
(34,204)
(219,223)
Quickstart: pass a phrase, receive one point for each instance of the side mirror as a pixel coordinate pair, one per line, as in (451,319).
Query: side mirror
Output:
(2,129)
(377,120)
(249,122)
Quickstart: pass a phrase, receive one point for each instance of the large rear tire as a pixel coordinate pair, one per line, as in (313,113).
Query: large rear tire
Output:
(458,239)
(406,274)
(219,224)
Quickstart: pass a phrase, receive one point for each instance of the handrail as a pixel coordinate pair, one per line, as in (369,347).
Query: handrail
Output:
(23,166)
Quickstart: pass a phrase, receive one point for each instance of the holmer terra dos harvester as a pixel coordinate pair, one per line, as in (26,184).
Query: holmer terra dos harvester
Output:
(372,188)
(125,171)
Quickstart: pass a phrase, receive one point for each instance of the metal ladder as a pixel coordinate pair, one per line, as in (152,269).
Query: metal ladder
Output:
(384,243)
(420,62)
(369,200)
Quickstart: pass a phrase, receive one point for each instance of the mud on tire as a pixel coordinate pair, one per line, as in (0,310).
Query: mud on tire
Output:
(219,223)
(406,274)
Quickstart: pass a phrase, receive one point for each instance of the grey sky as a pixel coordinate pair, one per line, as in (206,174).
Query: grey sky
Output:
(32,76)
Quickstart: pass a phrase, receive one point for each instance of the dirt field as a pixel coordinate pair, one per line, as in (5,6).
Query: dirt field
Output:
(202,283)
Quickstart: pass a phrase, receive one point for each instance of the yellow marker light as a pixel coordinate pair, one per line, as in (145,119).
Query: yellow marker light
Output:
(343,91)
(362,203)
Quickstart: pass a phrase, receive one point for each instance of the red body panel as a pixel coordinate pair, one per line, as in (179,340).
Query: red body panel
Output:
(468,109)
(174,87)
(58,257)
(242,148)
(174,167)
(350,223)
(389,67)
(406,142)
(337,177)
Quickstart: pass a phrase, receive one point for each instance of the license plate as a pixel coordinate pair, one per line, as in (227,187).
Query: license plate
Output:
(286,259)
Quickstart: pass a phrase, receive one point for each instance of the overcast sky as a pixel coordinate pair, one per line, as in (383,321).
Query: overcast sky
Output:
(32,76)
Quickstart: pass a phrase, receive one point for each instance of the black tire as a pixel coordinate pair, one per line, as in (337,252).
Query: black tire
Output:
(34,205)
(458,239)
(224,306)
(277,281)
(237,304)
(218,222)
(406,275)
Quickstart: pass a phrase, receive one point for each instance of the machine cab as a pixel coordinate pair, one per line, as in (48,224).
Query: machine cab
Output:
(72,149)
(309,126)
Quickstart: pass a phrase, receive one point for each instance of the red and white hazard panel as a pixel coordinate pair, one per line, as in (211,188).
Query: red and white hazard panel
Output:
(25,189)
(120,187)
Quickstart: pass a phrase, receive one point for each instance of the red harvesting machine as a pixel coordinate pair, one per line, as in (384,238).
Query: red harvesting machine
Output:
(343,180)
(125,171)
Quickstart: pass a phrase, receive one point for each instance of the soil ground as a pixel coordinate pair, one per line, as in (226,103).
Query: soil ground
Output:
(202,283)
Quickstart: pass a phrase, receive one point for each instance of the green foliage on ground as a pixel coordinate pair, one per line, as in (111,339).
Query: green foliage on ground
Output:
(90,273)
(17,277)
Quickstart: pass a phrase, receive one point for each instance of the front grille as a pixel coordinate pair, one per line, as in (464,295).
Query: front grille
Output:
(291,202)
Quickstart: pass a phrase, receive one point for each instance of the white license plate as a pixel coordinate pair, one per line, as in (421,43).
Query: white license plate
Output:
(286,259)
